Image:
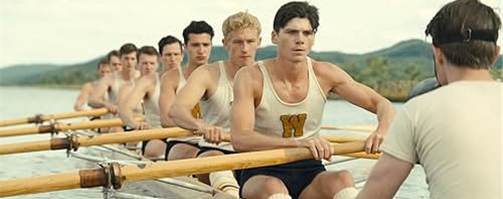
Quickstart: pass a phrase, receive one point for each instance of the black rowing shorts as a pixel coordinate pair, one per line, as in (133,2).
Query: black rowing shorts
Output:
(296,175)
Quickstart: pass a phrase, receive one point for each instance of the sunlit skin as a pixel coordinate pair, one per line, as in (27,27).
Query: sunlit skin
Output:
(297,38)
(104,70)
(128,61)
(148,64)
(242,46)
(198,48)
(172,56)
(115,63)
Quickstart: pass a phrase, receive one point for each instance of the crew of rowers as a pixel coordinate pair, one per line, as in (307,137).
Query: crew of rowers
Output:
(268,104)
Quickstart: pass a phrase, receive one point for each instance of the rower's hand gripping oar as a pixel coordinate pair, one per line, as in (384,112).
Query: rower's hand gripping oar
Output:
(115,175)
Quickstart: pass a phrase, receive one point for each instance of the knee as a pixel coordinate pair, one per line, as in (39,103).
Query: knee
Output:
(211,153)
(343,178)
(338,181)
(181,151)
(272,186)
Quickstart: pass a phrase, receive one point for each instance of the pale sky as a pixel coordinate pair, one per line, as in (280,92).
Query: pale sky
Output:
(74,31)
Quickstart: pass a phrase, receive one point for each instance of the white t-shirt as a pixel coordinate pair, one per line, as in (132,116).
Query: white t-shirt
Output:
(455,133)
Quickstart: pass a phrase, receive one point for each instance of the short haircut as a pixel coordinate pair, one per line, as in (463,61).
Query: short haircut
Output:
(127,48)
(462,18)
(147,50)
(168,40)
(296,9)
(240,21)
(112,53)
(197,27)
(102,62)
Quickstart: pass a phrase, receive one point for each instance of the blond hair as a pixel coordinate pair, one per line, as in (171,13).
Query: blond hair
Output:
(240,21)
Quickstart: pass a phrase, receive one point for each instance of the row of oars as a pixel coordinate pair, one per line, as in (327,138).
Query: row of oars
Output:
(116,175)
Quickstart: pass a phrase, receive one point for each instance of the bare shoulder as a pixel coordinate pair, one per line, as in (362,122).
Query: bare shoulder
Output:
(328,72)
(249,76)
(171,76)
(146,81)
(88,85)
(206,70)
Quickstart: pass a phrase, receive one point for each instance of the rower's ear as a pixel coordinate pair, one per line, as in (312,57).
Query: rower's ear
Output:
(274,37)
(496,54)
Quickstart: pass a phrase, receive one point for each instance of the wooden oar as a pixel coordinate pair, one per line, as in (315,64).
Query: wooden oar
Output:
(116,175)
(73,142)
(362,128)
(42,118)
(58,127)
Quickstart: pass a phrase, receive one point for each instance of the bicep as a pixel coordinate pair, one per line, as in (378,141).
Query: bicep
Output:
(100,89)
(357,93)
(84,92)
(243,107)
(166,97)
(193,91)
(133,95)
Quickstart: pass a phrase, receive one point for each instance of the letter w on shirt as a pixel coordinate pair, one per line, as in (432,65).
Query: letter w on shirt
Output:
(293,125)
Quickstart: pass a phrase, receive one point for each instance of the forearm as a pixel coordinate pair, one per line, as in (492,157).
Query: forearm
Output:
(126,115)
(375,189)
(253,141)
(96,103)
(385,114)
(183,118)
(78,104)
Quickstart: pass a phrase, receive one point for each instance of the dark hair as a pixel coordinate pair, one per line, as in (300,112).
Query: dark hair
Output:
(168,40)
(102,62)
(197,27)
(300,9)
(127,48)
(112,53)
(463,20)
(147,50)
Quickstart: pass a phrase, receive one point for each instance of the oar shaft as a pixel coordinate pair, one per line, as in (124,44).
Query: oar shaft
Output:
(367,129)
(40,184)
(25,147)
(75,142)
(63,127)
(42,118)
(26,131)
(14,122)
(96,177)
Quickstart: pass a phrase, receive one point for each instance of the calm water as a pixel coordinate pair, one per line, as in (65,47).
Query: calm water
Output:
(20,102)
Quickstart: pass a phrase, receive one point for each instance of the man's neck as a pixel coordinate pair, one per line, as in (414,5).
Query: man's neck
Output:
(127,75)
(455,73)
(231,69)
(290,71)
(189,68)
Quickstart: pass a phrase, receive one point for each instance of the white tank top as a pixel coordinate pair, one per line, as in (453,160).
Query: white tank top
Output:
(152,106)
(181,84)
(216,109)
(301,120)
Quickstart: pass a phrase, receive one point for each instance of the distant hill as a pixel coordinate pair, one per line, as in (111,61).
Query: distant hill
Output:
(17,73)
(410,56)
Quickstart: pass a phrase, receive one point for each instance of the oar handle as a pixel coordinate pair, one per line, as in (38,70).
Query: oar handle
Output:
(158,170)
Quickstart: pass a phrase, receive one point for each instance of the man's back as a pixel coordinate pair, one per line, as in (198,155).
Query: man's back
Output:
(457,131)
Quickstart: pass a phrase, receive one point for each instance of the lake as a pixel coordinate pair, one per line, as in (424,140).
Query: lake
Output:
(21,102)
